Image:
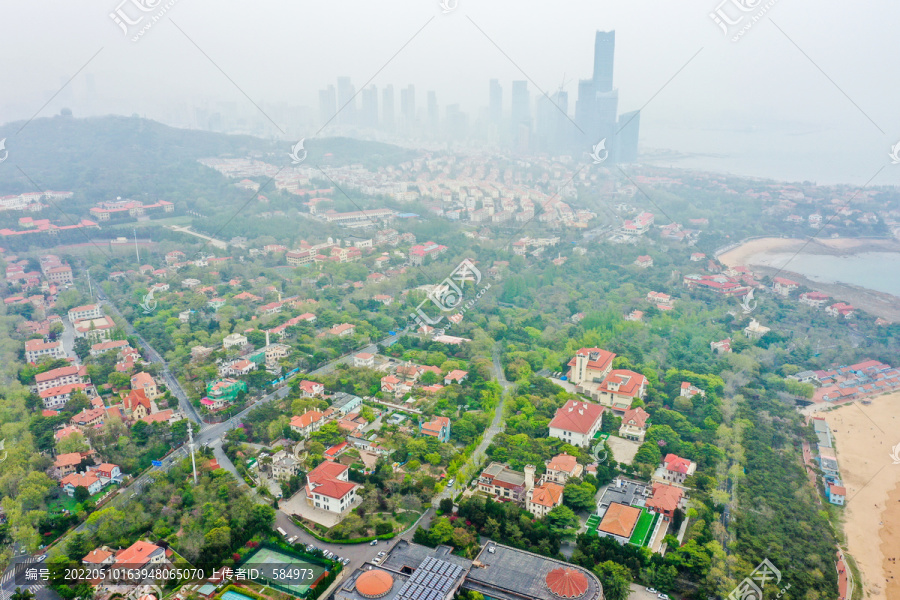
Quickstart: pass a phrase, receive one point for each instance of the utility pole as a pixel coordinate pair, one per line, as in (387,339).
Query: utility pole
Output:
(90,287)
(191,443)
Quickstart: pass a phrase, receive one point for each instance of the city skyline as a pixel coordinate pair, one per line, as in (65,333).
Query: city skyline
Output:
(531,121)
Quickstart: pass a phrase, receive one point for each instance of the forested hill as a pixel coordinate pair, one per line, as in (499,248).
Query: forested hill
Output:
(100,158)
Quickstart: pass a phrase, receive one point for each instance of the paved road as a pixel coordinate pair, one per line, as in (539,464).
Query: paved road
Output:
(9,581)
(357,553)
(171,383)
(495,428)
(68,340)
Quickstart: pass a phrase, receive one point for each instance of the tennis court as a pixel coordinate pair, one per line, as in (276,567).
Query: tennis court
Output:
(275,566)
(644,528)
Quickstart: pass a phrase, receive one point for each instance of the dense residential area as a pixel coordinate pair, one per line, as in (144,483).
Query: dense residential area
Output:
(365,369)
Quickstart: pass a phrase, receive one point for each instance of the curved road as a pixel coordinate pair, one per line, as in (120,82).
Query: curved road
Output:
(495,428)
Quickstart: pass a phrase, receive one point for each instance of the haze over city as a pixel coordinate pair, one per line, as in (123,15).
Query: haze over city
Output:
(784,101)
(449,300)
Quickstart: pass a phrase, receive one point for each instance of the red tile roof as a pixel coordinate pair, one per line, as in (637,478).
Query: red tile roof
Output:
(636,417)
(665,498)
(577,416)
(601,362)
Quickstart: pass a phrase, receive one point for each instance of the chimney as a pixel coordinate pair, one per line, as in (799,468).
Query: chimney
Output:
(267,337)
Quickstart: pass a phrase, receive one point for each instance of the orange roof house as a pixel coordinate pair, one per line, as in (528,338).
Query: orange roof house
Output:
(619,520)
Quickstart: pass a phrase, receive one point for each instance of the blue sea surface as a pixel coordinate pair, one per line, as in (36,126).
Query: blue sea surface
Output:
(879,271)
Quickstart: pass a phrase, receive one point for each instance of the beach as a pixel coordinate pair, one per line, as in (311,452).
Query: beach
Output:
(760,254)
(864,437)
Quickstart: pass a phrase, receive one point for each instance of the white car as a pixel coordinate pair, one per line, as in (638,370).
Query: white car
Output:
(380,554)
(651,590)
(663,596)
(373,543)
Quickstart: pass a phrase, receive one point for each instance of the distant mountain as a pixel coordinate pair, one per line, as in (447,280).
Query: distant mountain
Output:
(100,158)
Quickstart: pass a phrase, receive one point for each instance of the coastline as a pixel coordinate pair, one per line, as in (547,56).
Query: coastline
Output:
(879,304)
(864,436)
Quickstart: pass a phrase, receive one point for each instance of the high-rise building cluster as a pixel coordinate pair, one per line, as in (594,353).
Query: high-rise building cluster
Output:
(531,122)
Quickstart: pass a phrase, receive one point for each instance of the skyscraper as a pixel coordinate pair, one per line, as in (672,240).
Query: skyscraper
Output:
(434,116)
(387,107)
(457,122)
(346,99)
(327,104)
(604,57)
(369,112)
(521,115)
(627,136)
(495,106)
(598,105)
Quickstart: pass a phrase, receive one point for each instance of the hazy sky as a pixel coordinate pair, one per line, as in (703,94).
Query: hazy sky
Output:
(758,105)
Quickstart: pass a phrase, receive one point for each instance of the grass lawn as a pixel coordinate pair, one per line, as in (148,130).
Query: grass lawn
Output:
(405,519)
(64,502)
(641,534)
(592,523)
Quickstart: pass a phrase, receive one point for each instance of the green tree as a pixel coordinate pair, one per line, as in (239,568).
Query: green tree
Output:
(562,521)
(579,495)
(446,505)
(82,347)
(78,546)
(616,580)
(81,494)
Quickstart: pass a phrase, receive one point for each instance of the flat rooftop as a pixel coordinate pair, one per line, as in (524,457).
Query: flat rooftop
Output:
(406,557)
(630,493)
(511,574)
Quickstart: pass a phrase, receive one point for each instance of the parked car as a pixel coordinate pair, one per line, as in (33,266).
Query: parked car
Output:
(651,590)
(373,543)
(382,553)
(451,482)
(42,557)
(346,561)
(663,596)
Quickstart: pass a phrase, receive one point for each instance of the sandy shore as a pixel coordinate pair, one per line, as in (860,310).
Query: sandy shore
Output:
(864,436)
(758,254)
(890,534)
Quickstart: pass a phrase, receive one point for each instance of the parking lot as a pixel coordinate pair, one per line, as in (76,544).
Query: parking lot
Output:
(639,592)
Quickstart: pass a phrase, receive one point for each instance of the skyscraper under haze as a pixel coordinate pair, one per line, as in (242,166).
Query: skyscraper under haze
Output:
(434,116)
(521,115)
(387,107)
(346,99)
(369,112)
(598,105)
(604,57)
(495,106)
(327,104)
